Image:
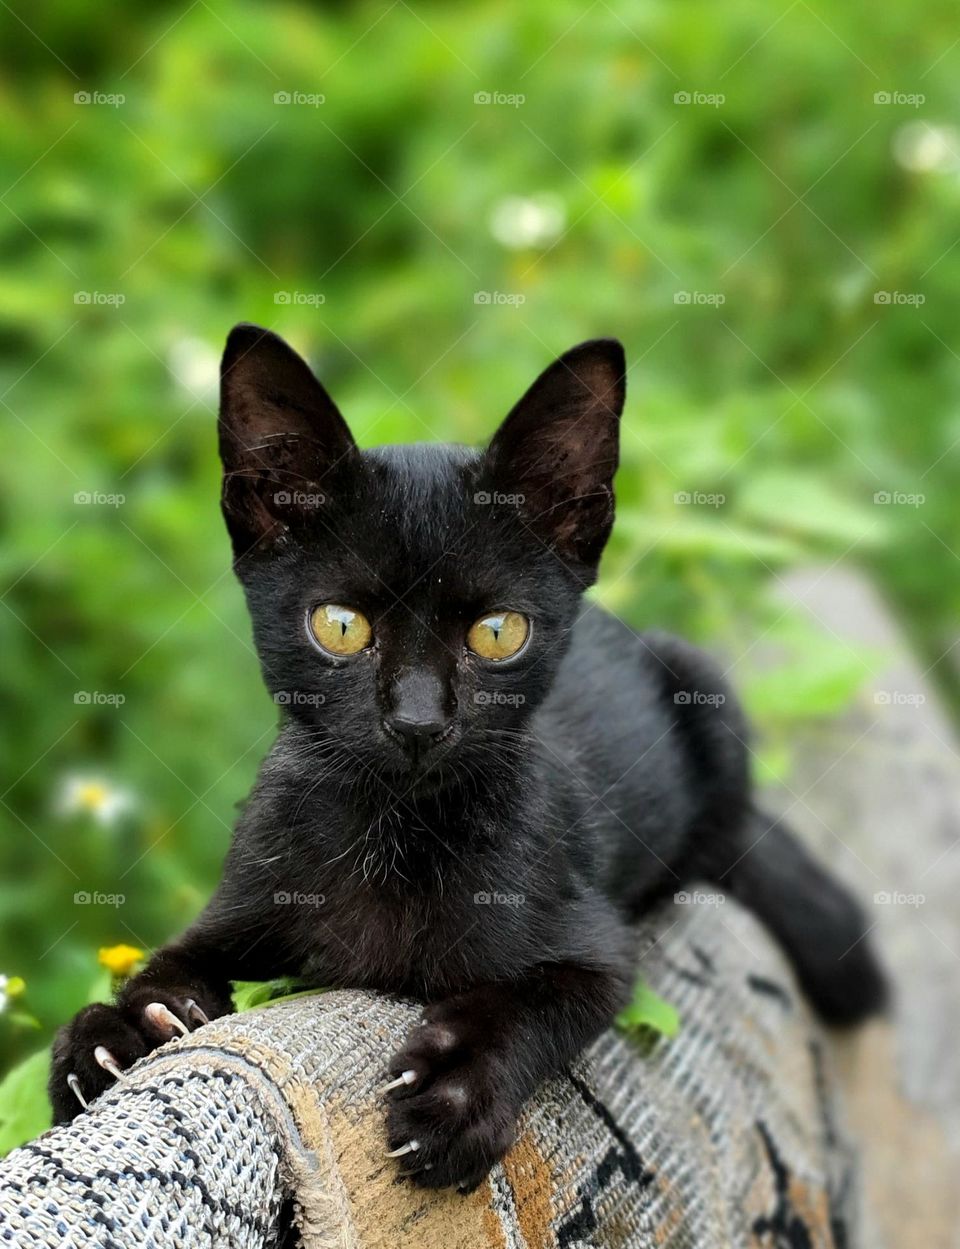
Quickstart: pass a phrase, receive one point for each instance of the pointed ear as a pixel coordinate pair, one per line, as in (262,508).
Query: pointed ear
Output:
(558,450)
(281,437)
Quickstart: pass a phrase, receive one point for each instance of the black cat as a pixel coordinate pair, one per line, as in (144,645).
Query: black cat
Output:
(479,781)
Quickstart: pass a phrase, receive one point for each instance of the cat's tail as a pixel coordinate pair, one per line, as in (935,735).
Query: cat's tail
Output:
(816,920)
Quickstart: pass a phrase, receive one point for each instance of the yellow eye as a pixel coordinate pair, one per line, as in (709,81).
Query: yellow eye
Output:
(340,630)
(498,636)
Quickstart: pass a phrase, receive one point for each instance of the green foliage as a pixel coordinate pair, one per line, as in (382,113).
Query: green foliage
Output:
(24,1109)
(648,1012)
(366,228)
(249,994)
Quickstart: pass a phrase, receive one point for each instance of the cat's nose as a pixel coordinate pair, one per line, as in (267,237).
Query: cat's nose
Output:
(416,731)
(417,715)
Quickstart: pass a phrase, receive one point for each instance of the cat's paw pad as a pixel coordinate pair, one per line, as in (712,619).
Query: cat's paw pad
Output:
(452,1113)
(102,1041)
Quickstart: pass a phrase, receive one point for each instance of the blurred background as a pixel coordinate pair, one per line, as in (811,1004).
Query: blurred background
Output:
(761,199)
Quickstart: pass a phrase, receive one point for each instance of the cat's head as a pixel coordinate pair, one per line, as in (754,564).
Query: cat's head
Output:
(412,604)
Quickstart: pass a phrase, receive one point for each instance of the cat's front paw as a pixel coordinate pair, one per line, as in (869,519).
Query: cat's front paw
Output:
(453,1112)
(96,1047)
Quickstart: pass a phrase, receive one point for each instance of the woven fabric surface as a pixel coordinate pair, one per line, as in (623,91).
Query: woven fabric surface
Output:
(726,1135)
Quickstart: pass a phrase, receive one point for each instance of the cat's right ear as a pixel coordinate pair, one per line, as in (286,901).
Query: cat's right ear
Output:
(281,438)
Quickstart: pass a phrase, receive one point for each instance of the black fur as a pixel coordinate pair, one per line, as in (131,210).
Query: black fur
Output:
(490,863)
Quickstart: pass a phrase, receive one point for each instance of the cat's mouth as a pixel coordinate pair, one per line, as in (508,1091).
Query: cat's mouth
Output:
(422,765)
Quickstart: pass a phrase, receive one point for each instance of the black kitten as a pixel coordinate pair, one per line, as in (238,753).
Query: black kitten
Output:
(479,782)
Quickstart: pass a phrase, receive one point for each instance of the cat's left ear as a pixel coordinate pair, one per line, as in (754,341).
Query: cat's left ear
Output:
(282,440)
(558,451)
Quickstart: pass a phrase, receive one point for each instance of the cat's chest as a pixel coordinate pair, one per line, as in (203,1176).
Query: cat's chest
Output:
(416,941)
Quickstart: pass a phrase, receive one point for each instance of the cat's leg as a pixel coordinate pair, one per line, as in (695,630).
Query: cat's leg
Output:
(182,987)
(461,1079)
(815,919)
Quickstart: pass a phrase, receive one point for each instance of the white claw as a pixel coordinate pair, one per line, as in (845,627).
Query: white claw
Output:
(103,1058)
(405,1077)
(74,1084)
(194,1010)
(164,1019)
(411,1147)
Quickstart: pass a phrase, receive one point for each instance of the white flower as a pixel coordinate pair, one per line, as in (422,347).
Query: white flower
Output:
(923,148)
(533,221)
(91,795)
(10,986)
(195,367)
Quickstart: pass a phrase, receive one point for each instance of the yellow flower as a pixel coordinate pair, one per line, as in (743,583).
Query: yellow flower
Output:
(120,960)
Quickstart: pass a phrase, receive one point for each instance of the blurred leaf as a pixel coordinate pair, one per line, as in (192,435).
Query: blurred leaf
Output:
(24,1109)
(248,994)
(647,1010)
